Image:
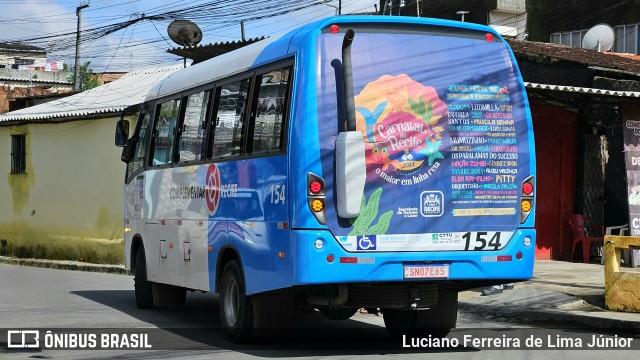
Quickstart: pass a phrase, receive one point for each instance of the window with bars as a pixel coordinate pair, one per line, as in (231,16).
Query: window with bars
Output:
(627,38)
(568,38)
(18,154)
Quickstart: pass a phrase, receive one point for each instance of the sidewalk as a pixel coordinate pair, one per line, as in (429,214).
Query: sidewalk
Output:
(561,293)
(65,265)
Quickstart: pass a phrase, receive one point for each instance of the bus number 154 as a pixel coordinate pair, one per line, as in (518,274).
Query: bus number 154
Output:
(481,242)
(277,194)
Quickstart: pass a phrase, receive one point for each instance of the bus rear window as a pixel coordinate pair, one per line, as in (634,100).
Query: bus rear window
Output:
(443,117)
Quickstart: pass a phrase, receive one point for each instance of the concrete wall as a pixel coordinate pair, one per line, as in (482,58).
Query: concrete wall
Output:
(72,190)
(11,90)
(444,9)
(9,57)
(516,6)
(509,24)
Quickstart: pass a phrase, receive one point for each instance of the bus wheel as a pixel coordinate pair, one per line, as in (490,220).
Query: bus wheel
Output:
(236,309)
(437,321)
(143,288)
(338,314)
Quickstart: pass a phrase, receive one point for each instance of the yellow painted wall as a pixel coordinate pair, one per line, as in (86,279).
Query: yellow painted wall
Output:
(69,204)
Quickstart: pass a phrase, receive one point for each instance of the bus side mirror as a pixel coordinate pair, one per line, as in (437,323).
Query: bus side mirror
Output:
(351,173)
(128,150)
(122,133)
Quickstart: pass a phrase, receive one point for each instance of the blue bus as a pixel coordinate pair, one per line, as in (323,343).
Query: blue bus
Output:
(355,162)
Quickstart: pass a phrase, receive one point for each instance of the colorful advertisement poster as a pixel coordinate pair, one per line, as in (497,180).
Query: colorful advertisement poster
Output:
(446,132)
(631,134)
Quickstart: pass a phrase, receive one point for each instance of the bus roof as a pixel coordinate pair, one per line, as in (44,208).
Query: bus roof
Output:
(278,47)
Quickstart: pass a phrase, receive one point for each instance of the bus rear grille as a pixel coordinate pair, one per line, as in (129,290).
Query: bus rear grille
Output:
(392,295)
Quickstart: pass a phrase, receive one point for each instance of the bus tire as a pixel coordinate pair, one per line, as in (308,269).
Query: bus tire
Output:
(437,321)
(143,288)
(338,314)
(236,309)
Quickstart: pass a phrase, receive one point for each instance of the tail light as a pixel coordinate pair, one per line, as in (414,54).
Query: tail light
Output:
(526,198)
(316,197)
(315,187)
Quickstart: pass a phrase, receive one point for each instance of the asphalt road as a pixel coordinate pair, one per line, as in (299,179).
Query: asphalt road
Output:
(74,302)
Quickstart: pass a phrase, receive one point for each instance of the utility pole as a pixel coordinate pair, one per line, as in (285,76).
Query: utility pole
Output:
(339,7)
(76,71)
(418,7)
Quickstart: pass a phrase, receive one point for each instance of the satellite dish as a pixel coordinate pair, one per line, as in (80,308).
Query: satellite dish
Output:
(599,38)
(184,32)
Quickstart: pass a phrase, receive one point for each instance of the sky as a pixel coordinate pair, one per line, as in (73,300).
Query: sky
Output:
(52,25)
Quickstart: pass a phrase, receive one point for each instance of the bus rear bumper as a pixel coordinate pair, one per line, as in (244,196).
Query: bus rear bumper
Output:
(312,263)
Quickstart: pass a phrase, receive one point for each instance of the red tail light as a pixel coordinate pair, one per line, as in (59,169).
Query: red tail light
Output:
(526,199)
(315,187)
(316,197)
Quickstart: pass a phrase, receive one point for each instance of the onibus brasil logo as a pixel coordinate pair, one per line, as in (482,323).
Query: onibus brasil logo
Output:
(399,119)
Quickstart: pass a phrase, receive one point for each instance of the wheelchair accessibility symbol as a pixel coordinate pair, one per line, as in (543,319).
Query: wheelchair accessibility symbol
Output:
(367,242)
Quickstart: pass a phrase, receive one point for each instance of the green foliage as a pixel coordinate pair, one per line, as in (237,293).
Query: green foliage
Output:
(368,213)
(89,79)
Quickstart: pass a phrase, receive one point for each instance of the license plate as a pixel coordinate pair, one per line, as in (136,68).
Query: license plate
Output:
(426,271)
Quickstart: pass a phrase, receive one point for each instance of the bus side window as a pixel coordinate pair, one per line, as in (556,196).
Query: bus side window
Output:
(271,110)
(142,136)
(228,134)
(192,134)
(162,150)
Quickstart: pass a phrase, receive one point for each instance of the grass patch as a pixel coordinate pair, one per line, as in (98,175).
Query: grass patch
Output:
(23,241)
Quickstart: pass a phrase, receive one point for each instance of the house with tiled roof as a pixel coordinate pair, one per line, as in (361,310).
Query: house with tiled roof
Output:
(579,98)
(62,184)
(581,101)
(26,74)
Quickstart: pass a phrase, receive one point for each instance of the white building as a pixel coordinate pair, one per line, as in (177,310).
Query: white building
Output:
(62,189)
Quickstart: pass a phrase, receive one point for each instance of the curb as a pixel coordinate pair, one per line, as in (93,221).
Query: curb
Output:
(66,265)
(584,319)
(564,318)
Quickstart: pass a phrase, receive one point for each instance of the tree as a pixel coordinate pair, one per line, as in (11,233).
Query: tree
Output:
(88,79)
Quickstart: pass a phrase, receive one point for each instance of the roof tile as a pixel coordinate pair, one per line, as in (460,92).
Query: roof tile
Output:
(625,62)
(113,97)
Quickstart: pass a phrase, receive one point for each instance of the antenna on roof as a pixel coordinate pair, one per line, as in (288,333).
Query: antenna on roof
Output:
(184,32)
(599,38)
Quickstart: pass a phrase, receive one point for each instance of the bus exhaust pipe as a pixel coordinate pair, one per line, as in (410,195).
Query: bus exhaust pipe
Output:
(347,71)
(334,302)
(351,164)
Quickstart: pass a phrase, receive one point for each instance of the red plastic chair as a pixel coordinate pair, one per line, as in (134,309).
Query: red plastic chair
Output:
(578,223)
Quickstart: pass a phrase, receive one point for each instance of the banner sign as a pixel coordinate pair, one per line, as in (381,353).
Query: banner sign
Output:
(631,134)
